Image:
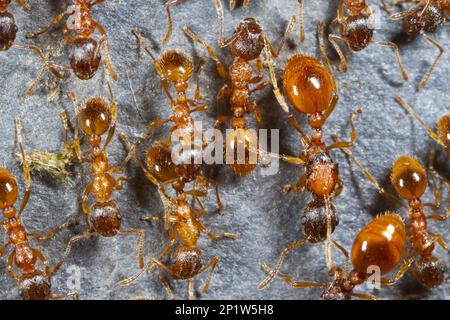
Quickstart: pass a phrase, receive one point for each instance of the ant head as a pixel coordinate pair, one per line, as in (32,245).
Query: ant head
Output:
(429,271)
(309,86)
(176,66)
(95,117)
(355,6)
(8,30)
(35,286)
(380,244)
(84,57)
(8,189)
(106,218)
(245,140)
(188,261)
(444,131)
(249,42)
(408,177)
(160,164)
(321,174)
(314,221)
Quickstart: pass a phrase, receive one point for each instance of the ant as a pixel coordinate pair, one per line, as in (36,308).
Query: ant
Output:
(103,218)
(84,50)
(356,31)
(410,182)
(247,44)
(442,136)
(185,225)
(311,89)
(380,243)
(422,19)
(34,284)
(176,67)
(171,3)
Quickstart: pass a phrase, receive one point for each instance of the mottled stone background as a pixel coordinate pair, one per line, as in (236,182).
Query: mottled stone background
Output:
(265,218)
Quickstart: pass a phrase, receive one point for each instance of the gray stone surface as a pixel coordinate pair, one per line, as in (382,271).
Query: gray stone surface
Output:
(265,218)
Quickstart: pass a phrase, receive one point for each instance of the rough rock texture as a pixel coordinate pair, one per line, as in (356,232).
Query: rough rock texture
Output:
(265,219)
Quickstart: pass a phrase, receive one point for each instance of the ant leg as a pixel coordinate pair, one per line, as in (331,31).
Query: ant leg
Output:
(299,187)
(166,285)
(345,253)
(166,250)
(26,169)
(120,182)
(69,294)
(141,234)
(232,4)
(220,205)
(300,18)
(198,96)
(438,238)
(372,180)
(24,4)
(353,135)
(43,259)
(121,167)
(10,266)
(288,279)
(410,110)
(221,20)
(425,79)
(66,253)
(343,67)
(273,273)
(191,289)
(30,35)
(151,127)
(112,128)
(85,205)
(52,233)
(221,70)
(215,237)
(4,248)
(294,124)
(106,60)
(213,265)
(72,148)
(287,32)
(364,296)
(401,272)
(169,4)
(397,55)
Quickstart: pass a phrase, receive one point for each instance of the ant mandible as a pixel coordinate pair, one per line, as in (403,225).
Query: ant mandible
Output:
(34,284)
(425,18)
(95,119)
(171,3)
(380,243)
(186,227)
(84,50)
(247,44)
(176,67)
(356,31)
(410,182)
(311,89)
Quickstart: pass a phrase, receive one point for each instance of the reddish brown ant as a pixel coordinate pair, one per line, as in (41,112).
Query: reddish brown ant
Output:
(380,243)
(356,31)
(311,89)
(84,50)
(176,68)
(425,17)
(247,44)
(103,218)
(410,182)
(34,284)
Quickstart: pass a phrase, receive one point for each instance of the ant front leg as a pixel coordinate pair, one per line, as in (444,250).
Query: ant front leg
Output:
(353,135)
(105,46)
(31,35)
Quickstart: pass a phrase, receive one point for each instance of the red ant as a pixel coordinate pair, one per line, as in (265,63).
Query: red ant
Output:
(380,243)
(34,284)
(356,31)
(247,44)
(103,218)
(84,50)
(424,18)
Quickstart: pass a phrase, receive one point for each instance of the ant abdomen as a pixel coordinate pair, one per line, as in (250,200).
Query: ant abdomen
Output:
(359,31)
(429,271)
(188,261)
(314,221)
(321,174)
(35,286)
(249,44)
(444,131)
(8,30)
(8,189)
(106,218)
(238,151)
(84,57)
(428,22)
